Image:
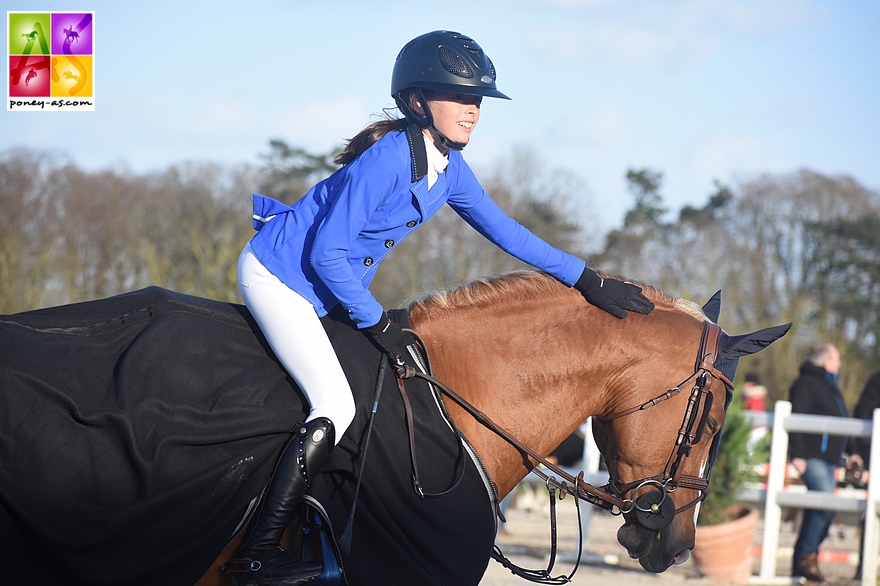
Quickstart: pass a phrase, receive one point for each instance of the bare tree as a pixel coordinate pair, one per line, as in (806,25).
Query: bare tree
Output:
(758,242)
(69,235)
(799,247)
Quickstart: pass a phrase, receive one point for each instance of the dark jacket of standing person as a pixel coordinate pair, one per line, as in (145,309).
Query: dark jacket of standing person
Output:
(815,392)
(869,400)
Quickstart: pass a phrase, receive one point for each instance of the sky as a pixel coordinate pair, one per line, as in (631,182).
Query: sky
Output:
(701,90)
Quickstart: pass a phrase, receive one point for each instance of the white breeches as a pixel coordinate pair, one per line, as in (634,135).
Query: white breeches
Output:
(294,331)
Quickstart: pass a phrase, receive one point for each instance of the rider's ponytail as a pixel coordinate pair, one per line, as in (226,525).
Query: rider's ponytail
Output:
(367,137)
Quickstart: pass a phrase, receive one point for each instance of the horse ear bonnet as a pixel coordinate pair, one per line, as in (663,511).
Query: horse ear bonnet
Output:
(731,348)
(712,309)
(736,346)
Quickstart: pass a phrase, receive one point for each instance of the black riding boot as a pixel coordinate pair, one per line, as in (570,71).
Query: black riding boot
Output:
(260,559)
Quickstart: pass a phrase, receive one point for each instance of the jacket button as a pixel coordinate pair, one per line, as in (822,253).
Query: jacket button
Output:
(389,244)
(411,224)
(368,261)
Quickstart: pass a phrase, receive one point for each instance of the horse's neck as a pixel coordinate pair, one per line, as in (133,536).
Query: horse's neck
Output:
(527,368)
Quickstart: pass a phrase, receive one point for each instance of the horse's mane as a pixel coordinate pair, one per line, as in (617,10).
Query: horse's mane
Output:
(518,285)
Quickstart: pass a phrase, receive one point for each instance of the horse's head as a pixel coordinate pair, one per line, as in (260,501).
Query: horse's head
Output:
(660,449)
(539,360)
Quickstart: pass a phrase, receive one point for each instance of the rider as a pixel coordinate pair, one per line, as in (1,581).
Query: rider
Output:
(324,250)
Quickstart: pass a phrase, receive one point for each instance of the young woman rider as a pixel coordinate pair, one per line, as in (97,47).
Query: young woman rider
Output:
(324,250)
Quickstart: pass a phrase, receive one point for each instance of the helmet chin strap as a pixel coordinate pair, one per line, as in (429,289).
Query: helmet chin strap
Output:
(450,144)
(425,120)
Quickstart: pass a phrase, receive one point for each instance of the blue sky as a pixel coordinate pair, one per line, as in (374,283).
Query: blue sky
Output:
(698,89)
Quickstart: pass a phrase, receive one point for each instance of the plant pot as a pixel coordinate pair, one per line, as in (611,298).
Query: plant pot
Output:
(724,551)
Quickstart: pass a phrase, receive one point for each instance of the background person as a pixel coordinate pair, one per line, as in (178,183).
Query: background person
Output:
(868,401)
(860,460)
(815,456)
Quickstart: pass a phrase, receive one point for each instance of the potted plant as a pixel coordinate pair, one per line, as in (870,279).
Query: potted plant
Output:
(725,528)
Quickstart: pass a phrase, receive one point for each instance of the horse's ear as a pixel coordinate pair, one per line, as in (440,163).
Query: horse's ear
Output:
(712,309)
(736,346)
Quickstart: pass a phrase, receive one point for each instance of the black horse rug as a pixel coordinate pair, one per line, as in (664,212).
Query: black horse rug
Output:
(136,431)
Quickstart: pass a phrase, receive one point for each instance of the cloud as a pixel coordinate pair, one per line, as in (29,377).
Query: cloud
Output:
(322,125)
(218,117)
(607,124)
(315,125)
(613,42)
(744,153)
(214,129)
(674,33)
(797,109)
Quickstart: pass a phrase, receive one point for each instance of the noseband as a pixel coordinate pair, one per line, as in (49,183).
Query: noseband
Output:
(652,508)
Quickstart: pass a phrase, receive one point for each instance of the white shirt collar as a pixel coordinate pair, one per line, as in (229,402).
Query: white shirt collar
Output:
(437,161)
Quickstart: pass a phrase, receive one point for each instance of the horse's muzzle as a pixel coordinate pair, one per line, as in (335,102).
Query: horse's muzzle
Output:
(655,510)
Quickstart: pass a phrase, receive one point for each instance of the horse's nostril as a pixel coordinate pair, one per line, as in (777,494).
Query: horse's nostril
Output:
(635,538)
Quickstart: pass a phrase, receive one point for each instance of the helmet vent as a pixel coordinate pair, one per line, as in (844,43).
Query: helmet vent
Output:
(472,47)
(491,68)
(405,48)
(454,63)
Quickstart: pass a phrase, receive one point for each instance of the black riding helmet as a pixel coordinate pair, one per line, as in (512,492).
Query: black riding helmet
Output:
(444,61)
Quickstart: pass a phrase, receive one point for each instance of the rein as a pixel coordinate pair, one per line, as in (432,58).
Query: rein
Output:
(653,509)
(649,508)
(405,371)
(611,499)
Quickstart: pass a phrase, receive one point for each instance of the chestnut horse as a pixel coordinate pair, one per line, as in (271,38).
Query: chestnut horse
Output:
(535,358)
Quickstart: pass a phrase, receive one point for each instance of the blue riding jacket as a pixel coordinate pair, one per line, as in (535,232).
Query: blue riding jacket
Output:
(328,245)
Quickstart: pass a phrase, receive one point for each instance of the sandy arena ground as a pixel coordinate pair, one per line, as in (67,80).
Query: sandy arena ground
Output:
(526,541)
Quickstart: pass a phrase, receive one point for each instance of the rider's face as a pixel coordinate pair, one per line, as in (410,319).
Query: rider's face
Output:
(455,115)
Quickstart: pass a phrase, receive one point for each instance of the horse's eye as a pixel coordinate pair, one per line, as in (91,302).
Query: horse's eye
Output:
(712,425)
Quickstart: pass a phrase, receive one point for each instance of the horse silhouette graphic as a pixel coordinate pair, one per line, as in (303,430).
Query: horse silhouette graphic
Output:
(70,35)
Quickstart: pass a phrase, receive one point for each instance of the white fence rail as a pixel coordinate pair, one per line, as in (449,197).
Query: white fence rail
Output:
(774,497)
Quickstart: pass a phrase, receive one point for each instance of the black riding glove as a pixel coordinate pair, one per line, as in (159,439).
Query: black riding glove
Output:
(389,338)
(615,297)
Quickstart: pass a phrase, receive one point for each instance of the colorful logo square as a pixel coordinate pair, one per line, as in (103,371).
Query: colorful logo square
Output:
(72,76)
(29,33)
(30,76)
(51,61)
(72,33)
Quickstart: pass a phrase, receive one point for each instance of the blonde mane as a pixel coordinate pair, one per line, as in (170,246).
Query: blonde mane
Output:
(510,287)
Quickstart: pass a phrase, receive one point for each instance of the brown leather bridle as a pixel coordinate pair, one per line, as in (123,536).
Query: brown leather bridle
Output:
(653,510)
